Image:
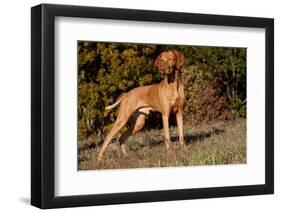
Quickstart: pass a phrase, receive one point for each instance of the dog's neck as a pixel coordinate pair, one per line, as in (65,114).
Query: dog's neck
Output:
(173,77)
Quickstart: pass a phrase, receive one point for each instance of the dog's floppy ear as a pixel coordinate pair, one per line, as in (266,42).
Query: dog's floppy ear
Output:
(156,63)
(179,59)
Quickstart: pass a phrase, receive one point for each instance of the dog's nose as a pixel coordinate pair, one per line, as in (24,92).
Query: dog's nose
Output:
(164,66)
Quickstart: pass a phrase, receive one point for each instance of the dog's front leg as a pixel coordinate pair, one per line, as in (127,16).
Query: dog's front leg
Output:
(165,119)
(180,127)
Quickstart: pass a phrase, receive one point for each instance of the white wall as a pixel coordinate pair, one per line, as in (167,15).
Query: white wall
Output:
(15,95)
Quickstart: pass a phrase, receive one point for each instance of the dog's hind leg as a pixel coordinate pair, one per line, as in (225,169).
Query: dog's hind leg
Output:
(137,123)
(117,126)
(122,118)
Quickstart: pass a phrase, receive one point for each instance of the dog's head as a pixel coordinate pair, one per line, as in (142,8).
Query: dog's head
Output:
(168,61)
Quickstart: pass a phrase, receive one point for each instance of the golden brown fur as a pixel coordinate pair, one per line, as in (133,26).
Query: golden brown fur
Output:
(164,97)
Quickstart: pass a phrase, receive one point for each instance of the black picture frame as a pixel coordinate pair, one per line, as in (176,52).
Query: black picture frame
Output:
(43,105)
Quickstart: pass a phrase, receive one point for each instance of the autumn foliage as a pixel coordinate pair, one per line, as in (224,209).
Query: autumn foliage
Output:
(214,78)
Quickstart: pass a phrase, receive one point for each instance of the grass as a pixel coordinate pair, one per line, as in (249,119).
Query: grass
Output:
(212,144)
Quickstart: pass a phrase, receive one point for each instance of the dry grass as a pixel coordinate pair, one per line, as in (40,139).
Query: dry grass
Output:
(212,144)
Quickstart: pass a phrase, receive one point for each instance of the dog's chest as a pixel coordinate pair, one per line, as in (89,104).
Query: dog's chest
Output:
(172,94)
(174,100)
(173,97)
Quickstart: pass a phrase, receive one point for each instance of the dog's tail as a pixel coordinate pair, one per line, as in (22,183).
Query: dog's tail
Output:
(119,99)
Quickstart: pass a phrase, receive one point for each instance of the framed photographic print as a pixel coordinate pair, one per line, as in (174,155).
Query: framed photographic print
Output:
(139,106)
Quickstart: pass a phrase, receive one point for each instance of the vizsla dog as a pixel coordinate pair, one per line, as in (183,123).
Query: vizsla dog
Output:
(164,97)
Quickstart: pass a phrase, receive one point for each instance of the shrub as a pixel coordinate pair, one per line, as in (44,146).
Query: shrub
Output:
(214,78)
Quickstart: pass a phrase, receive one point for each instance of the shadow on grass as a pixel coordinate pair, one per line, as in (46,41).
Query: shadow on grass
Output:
(191,138)
(199,136)
(188,138)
